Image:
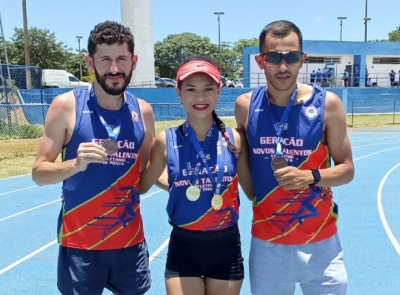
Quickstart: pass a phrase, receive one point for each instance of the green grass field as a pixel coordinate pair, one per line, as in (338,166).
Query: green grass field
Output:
(17,155)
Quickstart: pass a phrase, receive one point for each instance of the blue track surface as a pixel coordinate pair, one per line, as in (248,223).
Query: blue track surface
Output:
(369,225)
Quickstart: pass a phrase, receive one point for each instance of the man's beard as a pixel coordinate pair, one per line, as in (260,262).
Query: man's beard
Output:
(113,90)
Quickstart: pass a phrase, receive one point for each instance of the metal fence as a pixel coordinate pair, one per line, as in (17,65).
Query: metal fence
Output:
(381,80)
(175,111)
(18,118)
(23,110)
(389,110)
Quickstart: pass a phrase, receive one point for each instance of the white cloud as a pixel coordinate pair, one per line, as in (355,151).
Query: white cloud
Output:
(318,19)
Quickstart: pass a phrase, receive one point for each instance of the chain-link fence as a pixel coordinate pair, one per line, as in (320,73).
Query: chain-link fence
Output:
(385,107)
(23,105)
(175,111)
(22,109)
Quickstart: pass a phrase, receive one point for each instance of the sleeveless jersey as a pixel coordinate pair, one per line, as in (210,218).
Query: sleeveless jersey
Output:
(292,216)
(199,215)
(101,204)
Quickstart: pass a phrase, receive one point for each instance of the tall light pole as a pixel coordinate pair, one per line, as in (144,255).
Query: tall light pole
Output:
(26,37)
(219,38)
(366,19)
(26,45)
(80,57)
(341,21)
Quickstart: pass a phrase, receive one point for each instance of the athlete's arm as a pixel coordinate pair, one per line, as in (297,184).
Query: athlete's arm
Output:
(162,181)
(59,123)
(156,163)
(335,135)
(148,122)
(243,163)
(242,105)
(338,143)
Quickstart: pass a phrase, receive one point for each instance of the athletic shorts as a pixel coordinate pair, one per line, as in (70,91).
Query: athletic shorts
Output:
(205,254)
(88,272)
(318,268)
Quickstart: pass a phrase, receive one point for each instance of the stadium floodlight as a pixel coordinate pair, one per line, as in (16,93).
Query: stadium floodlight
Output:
(341,22)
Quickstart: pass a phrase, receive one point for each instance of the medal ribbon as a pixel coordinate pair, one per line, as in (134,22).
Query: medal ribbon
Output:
(280,126)
(112,133)
(189,132)
(196,172)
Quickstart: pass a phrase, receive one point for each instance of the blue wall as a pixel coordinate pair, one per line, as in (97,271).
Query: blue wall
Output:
(166,105)
(168,95)
(151,95)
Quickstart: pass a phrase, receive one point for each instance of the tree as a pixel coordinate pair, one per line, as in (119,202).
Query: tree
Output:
(242,43)
(170,53)
(231,61)
(45,51)
(233,58)
(11,53)
(394,36)
(72,63)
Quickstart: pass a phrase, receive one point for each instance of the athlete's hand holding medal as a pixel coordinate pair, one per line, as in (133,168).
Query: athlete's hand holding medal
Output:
(93,153)
(288,177)
(89,152)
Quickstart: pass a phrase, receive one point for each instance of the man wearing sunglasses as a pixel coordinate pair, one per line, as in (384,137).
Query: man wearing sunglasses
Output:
(294,131)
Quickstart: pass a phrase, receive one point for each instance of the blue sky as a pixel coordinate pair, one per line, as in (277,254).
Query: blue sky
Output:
(242,19)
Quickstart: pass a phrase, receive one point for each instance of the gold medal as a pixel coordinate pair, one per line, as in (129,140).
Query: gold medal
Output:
(193,193)
(216,202)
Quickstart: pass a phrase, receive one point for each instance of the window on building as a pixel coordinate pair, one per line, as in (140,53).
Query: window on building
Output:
(322,59)
(386,60)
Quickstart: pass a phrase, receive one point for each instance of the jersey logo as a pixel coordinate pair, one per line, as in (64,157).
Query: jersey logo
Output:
(311,112)
(135,116)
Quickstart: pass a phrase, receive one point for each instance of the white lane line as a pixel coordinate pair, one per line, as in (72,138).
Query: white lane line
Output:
(18,190)
(30,255)
(23,259)
(16,176)
(378,152)
(374,144)
(31,209)
(386,226)
(59,200)
(165,244)
(158,250)
(151,194)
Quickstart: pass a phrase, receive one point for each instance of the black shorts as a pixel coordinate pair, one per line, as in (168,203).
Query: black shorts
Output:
(205,254)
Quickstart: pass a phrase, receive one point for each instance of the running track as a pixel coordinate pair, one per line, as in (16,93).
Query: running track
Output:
(369,225)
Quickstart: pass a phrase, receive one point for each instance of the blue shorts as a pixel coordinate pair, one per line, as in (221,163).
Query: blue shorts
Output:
(88,272)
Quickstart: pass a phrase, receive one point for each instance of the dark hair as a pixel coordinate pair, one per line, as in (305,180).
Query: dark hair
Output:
(280,29)
(192,58)
(110,32)
(221,127)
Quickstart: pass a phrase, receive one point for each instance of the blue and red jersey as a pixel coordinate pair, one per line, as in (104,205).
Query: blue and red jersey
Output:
(182,159)
(101,204)
(292,216)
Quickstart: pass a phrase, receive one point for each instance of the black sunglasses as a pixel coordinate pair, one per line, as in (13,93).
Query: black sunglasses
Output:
(275,57)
